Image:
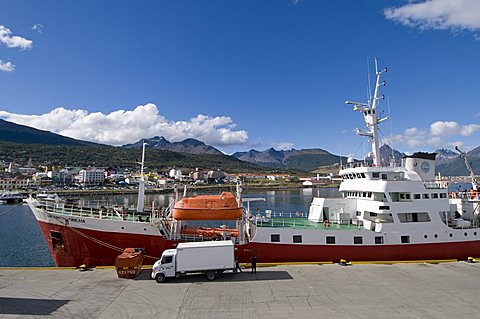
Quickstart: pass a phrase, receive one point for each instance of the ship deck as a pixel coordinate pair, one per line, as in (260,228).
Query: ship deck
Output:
(304,223)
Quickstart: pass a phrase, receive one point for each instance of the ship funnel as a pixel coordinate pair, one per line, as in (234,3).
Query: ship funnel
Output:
(421,163)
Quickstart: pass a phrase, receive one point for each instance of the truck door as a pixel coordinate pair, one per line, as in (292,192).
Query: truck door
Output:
(168,265)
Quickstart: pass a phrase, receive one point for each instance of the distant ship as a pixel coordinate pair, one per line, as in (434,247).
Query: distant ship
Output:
(11,197)
(385,213)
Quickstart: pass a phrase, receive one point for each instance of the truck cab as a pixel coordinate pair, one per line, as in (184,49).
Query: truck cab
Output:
(165,267)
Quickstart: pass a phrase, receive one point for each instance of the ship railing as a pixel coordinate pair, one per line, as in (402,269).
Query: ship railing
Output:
(305,224)
(164,226)
(434,185)
(468,195)
(196,238)
(363,164)
(459,223)
(279,214)
(81,211)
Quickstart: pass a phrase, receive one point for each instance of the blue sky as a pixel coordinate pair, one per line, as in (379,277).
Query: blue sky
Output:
(242,74)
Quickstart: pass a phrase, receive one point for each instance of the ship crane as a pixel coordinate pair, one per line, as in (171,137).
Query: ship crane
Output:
(469,168)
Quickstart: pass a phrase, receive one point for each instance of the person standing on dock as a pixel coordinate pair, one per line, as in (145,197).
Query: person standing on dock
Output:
(253,261)
(237,266)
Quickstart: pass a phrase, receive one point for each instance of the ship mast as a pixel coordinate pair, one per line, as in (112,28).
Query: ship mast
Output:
(141,184)
(369,111)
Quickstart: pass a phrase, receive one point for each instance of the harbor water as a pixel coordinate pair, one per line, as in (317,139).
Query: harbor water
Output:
(23,245)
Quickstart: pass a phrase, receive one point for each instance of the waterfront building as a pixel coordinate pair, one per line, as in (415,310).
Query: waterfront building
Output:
(8,183)
(91,176)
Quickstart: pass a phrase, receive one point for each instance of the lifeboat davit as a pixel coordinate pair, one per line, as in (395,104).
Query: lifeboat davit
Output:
(208,207)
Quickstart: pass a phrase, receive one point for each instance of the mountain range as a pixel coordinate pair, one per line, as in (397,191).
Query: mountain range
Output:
(19,142)
(16,133)
(190,145)
(305,159)
(16,141)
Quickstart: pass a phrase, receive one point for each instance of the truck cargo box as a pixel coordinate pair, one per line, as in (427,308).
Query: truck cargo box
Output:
(206,255)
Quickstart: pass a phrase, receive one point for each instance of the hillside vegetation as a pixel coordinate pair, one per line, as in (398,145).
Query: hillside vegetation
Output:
(104,156)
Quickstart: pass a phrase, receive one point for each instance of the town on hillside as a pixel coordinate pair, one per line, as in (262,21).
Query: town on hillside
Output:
(27,178)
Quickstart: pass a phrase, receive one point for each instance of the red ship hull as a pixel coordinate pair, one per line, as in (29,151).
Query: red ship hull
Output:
(97,248)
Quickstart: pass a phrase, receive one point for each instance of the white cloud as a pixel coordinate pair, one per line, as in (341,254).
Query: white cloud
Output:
(438,15)
(6,66)
(470,129)
(450,128)
(38,27)
(122,127)
(436,136)
(447,128)
(283,146)
(13,41)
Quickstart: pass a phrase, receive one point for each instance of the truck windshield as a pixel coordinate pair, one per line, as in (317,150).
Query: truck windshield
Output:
(167,259)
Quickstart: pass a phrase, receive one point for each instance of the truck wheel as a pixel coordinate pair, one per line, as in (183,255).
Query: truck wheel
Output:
(211,275)
(160,277)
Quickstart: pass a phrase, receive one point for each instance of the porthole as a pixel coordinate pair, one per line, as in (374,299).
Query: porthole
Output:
(145,229)
(425,236)
(465,234)
(435,235)
(123,227)
(451,235)
(474,233)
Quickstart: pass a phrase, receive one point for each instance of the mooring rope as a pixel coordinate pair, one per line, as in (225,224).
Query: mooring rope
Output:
(100,242)
(9,210)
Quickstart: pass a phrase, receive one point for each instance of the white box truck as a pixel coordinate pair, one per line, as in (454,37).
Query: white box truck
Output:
(208,257)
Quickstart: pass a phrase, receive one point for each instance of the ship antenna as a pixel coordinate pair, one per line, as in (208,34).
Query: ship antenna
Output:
(369,113)
(369,78)
(141,184)
(392,162)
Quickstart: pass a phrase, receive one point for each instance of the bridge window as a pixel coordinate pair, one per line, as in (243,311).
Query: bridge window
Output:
(375,175)
(443,195)
(400,197)
(425,196)
(416,196)
(414,217)
(434,195)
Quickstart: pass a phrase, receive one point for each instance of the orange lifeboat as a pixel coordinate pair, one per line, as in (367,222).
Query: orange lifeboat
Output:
(208,207)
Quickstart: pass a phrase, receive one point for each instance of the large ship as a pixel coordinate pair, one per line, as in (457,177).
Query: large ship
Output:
(386,212)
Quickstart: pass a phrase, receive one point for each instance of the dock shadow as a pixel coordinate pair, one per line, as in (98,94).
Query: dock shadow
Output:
(224,277)
(28,306)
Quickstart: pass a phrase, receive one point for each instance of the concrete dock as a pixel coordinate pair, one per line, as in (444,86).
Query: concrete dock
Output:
(417,290)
